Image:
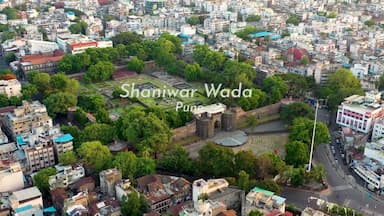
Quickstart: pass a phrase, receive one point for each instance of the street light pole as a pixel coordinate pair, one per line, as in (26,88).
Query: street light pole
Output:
(313,137)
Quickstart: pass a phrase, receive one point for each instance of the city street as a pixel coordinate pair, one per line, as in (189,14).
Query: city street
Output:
(343,188)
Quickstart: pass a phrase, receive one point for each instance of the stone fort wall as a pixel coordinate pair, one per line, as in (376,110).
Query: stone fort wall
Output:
(190,128)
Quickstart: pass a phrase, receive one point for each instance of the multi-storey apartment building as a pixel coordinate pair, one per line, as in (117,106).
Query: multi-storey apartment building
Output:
(10,87)
(66,176)
(39,157)
(360,112)
(63,144)
(11,177)
(25,118)
(108,179)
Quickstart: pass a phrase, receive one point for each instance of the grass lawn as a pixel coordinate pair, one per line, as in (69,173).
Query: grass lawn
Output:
(169,103)
(265,143)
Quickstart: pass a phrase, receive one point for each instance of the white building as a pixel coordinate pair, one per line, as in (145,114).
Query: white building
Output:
(378,129)
(368,175)
(29,196)
(264,201)
(65,176)
(10,87)
(3,138)
(11,178)
(359,112)
(123,188)
(206,187)
(63,143)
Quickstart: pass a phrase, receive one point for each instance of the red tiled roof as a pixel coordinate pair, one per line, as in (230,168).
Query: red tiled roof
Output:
(227,213)
(41,59)
(104,2)
(83,44)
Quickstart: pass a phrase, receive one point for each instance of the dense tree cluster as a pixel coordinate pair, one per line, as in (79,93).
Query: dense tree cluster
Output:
(78,28)
(341,84)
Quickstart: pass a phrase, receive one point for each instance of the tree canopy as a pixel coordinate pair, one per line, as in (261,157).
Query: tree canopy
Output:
(297,109)
(100,71)
(95,155)
(78,28)
(58,103)
(212,160)
(41,179)
(136,65)
(275,87)
(134,205)
(67,158)
(301,130)
(297,153)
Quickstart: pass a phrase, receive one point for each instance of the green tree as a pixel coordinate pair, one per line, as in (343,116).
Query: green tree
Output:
(276,88)
(253,18)
(296,153)
(193,72)
(298,85)
(136,65)
(380,83)
(4,100)
(212,159)
(176,160)
(11,13)
(98,132)
(78,28)
(40,80)
(10,57)
(127,164)
(244,34)
(193,20)
(67,158)
(95,155)
(269,165)
(144,130)
(369,23)
(126,38)
(41,179)
(92,103)
(305,60)
(243,181)
(318,173)
(246,161)
(145,166)
(61,83)
(293,19)
(341,84)
(101,71)
(138,50)
(302,128)
(134,205)
(28,91)
(297,109)
(251,121)
(58,103)
(258,99)
(297,177)
(255,213)
(270,185)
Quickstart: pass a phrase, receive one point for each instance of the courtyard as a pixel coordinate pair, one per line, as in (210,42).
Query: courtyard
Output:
(142,82)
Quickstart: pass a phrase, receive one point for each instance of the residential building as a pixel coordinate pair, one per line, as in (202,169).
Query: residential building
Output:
(40,156)
(264,201)
(108,180)
(45,62)
(312,212)
(218,190)
(10,87)
(378,129)
(152,5)
(78,203)
(123,188)
(11,177)
(28,211)
(3,139)
(77,43)
(84,184)
(107,207)
(7,151)
(65,176)
(63,144)
(360,112)
(202,208)
(162,192)
(25,118)
(29,196)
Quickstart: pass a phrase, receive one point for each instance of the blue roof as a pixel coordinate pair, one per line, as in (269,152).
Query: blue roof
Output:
(70,13)
(49,210)
(183,35)
(63,138)
(346,65)
(20,141)
(259,34)
(24,208)
(278,199)
(274,37)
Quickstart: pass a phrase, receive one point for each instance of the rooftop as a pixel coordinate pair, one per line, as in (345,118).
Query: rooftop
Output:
(35,59)
(29,193)
(64,138)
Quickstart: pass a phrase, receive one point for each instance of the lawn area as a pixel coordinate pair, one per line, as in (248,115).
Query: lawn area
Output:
(265,143)
(106,89)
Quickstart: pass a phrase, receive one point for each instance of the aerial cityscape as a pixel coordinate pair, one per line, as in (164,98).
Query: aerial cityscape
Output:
(192,108)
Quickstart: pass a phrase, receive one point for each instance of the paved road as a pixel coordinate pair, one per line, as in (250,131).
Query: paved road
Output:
(343,188)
